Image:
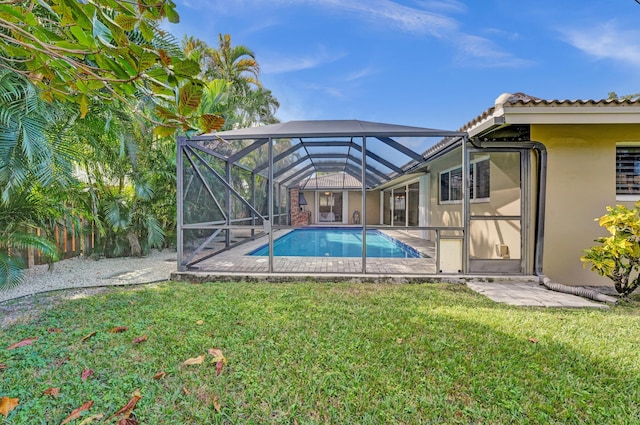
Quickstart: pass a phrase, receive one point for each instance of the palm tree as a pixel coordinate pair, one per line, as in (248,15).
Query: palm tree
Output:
(235,64)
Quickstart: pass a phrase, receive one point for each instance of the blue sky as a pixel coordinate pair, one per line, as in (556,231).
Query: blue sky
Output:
(428,63)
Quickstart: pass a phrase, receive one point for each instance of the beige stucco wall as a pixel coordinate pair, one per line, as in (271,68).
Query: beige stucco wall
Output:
(504,200)
(443,214)
(355,203)
(581,183)
(373,206)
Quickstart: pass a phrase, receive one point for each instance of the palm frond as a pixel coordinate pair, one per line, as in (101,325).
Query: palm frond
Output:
(11,271)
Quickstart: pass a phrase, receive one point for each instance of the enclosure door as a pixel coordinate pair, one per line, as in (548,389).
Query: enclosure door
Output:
(497,224)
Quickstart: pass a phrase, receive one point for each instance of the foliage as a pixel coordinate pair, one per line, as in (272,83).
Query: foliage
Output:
(618,256)
(91,95)
(103,50)
(322,354)
(632,97)
(232,75)
(20,218)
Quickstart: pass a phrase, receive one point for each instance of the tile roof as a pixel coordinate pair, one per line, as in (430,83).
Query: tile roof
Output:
(523,99)
(331,181)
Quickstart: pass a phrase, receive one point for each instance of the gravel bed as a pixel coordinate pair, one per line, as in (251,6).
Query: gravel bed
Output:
(81,272)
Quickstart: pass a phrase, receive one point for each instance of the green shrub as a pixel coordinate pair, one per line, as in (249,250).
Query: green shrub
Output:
(618,256)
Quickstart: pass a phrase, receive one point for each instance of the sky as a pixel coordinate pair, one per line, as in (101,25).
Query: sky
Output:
(425,63)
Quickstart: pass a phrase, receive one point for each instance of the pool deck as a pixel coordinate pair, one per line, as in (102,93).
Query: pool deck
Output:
(236,260)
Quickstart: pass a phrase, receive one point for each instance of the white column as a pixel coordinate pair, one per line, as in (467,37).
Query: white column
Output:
(381,207)
(345,207)
(423,205)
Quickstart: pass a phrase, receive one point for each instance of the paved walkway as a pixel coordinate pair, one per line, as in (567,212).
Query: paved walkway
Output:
(84,273)
(531,294)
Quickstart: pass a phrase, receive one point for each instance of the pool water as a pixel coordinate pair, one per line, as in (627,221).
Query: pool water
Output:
(336,242)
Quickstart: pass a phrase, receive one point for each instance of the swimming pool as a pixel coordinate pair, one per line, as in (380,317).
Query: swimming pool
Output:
(336,242)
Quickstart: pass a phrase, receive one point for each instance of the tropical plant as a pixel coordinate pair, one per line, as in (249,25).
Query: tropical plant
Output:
(102,49)
(618,255)
(233,73)
(21,217)
(236,64)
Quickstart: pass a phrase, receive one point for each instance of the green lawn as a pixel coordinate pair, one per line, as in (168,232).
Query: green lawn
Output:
(325,353)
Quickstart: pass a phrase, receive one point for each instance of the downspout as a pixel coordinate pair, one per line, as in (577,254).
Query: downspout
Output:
(541,201)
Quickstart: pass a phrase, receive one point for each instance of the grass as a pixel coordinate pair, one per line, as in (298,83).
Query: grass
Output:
(327,354)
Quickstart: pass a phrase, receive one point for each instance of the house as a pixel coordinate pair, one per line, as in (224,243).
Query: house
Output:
(588,153)
(514,192)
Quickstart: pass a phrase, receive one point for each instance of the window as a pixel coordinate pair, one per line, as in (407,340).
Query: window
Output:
(628,170)
(451,182)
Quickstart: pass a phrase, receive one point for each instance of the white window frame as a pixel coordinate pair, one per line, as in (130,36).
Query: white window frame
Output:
(625,197)
(473,199)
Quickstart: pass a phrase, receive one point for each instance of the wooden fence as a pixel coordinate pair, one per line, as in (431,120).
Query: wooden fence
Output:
(68,243)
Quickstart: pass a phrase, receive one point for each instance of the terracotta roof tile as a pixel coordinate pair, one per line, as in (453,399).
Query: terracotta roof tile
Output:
(523,99)
(331,181)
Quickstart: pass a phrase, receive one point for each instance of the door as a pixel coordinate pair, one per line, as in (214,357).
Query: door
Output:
(497,225)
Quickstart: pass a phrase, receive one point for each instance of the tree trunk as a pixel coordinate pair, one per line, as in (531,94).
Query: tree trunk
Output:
(134,244)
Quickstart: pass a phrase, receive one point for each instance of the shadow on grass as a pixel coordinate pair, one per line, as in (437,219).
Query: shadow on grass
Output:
(329,353)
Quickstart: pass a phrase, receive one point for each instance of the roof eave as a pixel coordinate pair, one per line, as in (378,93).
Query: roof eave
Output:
(554,114)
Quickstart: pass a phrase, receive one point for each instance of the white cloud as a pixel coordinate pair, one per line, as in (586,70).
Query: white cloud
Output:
(278,64)
(607,41)
(482,52)
(357,75)
(446,5)
(331,91)
(429,19)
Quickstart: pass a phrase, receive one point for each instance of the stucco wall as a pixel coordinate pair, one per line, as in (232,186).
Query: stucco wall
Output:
(581,183)
(504,200)
(373,206)
(355,203)
(443,214)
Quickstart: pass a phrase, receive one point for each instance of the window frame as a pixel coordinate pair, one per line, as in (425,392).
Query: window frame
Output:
(626,197)
(472,172)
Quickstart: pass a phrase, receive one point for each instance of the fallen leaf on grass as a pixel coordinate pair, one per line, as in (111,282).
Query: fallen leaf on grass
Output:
(54,330)
(200,322)
(140,339)
(216,403)
(53,392)
(399,340)
(193,360)
(533,340)
(128,421)
(186,391)
(217,354)
(128,408)
(3,366)
(7,404)
(218,358)
(90,419)
(160,375)
(118,329)
(75,414)
(86,373)
(26,341)
(86,337)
